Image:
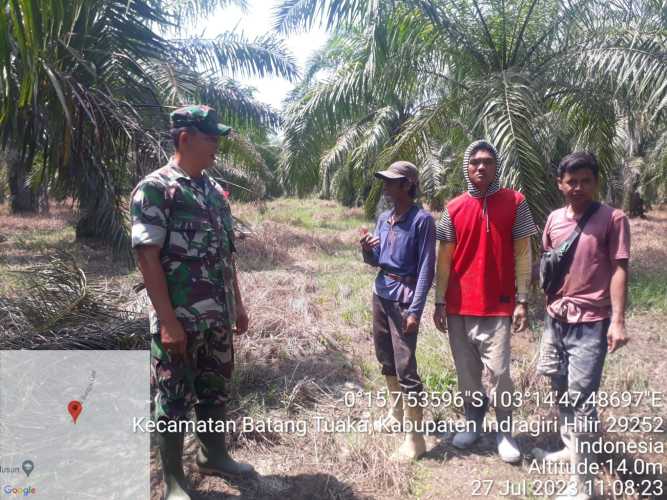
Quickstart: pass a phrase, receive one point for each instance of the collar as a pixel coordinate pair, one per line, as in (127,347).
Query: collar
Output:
(180,173)
(404,216)
(493,188)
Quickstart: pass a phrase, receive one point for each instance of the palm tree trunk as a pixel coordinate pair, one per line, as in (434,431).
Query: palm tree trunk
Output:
(43,199)
(86,226)
(22,198)
(633,204)
(4,185)
(325,192)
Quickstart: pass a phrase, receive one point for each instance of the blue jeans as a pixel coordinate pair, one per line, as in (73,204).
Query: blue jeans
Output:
(573,355)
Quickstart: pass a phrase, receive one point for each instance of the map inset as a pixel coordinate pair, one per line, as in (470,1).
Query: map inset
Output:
(66,425)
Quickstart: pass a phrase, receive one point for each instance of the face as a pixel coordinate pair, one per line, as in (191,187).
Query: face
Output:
(394,189)
(482,168)
(578,186)
(199,148)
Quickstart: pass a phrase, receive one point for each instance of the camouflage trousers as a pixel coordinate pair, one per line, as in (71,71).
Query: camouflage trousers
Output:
(201,377)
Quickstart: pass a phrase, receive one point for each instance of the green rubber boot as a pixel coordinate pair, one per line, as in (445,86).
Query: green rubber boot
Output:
(212,457)
(171,455)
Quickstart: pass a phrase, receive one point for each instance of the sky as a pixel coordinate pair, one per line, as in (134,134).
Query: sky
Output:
(257,20)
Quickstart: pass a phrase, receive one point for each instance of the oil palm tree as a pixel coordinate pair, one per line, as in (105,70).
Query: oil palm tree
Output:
(538,78)
(86,87)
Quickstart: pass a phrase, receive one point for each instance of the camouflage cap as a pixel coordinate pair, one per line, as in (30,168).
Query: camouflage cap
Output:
(204,118)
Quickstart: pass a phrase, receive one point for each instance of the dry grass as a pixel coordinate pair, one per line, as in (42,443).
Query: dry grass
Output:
(308,296)
(649,253)
(59,216)
(273,245)
(295,365)
(349,465)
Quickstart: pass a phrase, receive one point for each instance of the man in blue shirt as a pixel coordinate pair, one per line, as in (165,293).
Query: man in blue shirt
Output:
(403,247)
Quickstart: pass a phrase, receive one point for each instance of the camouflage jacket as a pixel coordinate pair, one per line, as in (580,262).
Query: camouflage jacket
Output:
(192,223)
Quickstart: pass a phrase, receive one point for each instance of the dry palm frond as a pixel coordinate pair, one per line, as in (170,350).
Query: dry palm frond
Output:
(98,336)
(55,292)
(59,309)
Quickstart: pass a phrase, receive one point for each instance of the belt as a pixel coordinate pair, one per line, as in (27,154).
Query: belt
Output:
(406,280)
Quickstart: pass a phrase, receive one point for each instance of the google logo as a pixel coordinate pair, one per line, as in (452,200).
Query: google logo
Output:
(18,492)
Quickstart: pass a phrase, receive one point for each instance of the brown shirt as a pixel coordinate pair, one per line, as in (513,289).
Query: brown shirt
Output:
(585,294)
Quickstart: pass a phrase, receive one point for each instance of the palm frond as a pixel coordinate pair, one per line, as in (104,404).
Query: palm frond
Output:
(296,15)
(190,12)
(509,114)
(86,87)
(235,55)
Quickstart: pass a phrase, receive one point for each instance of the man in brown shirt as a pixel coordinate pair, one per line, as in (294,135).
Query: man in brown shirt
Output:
(586,316)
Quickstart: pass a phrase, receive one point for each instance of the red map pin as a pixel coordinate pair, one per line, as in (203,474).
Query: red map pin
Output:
(74,408)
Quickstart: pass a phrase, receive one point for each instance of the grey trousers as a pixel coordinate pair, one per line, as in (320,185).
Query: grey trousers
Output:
(480,343)
(573,355)
(395,351)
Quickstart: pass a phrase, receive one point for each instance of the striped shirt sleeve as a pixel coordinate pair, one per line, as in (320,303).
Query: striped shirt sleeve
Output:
(524,226)
(444,229)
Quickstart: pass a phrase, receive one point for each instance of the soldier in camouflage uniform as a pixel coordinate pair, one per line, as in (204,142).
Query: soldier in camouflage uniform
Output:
(182,233)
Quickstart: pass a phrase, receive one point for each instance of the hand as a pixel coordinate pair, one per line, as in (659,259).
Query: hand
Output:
(368,242)
(242,320)
(173,338)
(440,317)
(616,336)
(520,318)
(410,324)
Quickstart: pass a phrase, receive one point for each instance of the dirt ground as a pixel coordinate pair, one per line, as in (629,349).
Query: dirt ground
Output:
(309,355)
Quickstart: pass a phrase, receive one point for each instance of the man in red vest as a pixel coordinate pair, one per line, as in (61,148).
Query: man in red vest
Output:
(482,278)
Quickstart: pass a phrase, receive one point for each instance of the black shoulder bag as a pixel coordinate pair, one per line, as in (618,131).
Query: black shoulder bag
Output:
(555,263)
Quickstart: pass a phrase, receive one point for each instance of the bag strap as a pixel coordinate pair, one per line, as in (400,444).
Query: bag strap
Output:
(581,223)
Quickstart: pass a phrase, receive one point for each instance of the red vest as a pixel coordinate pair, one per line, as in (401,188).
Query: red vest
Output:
(482,281)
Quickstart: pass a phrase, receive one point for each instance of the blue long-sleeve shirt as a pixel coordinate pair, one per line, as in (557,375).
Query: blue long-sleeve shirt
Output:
(406,249)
